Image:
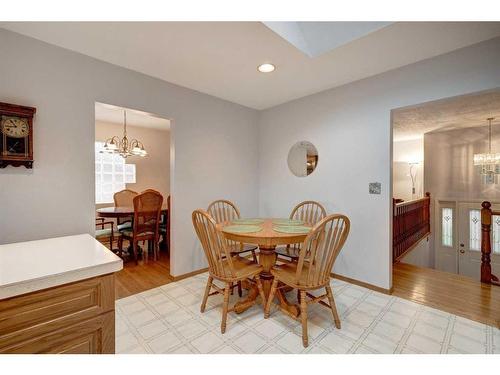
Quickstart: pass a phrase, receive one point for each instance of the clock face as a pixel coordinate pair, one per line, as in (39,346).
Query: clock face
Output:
(15,127)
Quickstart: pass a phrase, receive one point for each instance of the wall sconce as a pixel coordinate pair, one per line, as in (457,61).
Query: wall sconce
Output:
(413,175)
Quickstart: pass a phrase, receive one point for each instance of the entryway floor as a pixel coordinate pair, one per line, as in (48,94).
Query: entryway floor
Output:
(448,292)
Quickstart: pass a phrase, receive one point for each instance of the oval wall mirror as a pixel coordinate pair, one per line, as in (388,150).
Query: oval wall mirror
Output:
(302,159)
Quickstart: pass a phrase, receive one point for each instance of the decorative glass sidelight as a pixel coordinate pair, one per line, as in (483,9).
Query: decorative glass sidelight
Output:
(475,230)
(495,223)
(447,226)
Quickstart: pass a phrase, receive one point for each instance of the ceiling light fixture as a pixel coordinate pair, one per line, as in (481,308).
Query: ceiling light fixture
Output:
(123,146)
(488,163)
(266,68)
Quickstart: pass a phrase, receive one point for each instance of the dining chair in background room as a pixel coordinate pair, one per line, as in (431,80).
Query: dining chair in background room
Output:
(165,228)
(104,234)
(145,225)
(223,211)
(124,198)
(222,265)
(323,244)
(311,213)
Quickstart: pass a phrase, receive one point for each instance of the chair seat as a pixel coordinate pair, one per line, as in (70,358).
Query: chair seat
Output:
(130,233)
(289,252)
(124,226)
(243,268)
(238,249)
(286,274)
(102,233)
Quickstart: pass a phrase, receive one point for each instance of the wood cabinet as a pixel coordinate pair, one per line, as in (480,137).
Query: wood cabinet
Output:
(72,318)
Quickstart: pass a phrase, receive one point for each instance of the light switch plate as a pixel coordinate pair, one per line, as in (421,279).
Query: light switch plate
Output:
(374,187)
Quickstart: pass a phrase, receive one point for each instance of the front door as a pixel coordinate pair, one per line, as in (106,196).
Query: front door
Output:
(446,237)
(469,240)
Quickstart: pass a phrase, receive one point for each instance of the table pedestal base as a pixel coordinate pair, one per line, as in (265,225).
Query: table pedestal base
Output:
(267,259)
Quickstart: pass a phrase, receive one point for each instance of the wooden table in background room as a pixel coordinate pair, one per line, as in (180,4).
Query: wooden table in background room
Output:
(119,212)
(116,212)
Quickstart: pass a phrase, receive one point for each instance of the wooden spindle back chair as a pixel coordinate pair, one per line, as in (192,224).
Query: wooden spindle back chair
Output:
(225,211)
(147,211)
(222,265)
(124,198)
(214,245)
(311,213)
(312,271)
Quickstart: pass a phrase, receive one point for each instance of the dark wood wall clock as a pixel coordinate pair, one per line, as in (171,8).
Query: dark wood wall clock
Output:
(16,131)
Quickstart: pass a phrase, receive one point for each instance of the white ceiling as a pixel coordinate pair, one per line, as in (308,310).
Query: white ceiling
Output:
(465,111)
(113,114)
(220,58)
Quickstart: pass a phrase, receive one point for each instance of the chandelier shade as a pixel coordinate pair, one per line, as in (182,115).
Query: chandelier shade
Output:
(123,146)
(487,159)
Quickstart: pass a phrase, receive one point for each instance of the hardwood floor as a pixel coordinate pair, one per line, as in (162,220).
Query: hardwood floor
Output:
(133,279)
(449,292)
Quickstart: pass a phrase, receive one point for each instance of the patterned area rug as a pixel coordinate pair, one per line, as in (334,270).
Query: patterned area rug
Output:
(168,320)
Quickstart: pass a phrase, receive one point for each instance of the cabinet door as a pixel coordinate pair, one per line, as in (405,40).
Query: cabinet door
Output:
(40,313)
(93,336)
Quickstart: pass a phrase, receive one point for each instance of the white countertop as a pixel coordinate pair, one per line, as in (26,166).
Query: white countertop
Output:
(34,265)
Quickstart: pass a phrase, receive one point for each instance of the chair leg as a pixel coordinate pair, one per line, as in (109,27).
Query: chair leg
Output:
(134,247)
(240,290)
(232,288)
(156,248)
(120,246)
(225,307)
(332,306)
(261,291)
(303,317)
(254,257)
(207,292)
(274,287)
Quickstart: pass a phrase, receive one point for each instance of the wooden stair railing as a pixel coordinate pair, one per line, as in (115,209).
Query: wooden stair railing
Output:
(486,215)
(411,223)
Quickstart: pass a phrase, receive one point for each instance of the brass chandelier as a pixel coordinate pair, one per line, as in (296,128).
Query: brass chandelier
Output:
(123,146)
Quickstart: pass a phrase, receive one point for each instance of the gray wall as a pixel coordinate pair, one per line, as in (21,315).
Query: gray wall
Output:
(214,156)
(217,151)
(404,152)
(351,128)
(449,170)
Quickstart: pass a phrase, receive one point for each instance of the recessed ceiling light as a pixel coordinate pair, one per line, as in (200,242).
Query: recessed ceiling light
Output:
(266,68)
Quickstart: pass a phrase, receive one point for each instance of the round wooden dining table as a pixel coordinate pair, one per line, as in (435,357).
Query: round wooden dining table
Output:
(267,239)
(118,212)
